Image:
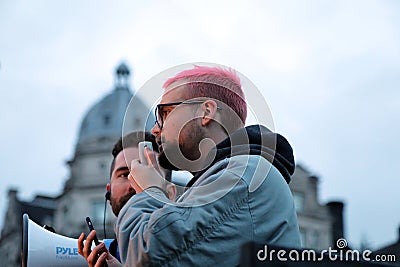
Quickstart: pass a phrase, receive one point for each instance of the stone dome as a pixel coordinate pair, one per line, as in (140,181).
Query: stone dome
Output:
(103,124)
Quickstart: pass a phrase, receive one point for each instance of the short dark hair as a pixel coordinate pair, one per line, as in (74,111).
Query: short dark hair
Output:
(131,140)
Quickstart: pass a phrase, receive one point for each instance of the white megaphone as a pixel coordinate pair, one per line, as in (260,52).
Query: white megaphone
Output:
(42,248)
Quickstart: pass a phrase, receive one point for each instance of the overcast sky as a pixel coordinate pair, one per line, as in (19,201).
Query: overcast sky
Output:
(329,70)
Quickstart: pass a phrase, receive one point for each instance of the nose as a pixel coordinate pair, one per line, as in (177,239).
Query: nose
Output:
(155,130)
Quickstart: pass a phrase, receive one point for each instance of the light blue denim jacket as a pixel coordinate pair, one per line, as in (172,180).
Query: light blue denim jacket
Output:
(239,199)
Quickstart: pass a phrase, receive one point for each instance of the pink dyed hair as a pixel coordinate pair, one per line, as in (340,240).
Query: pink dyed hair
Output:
(215,83)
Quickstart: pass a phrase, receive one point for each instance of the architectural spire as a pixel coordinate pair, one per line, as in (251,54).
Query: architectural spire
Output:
(122,74)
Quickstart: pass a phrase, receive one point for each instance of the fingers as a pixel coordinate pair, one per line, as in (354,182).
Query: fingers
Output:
(88,244)
(135,163)
(150,156)
(81,245)
(112,261)
(84,248)
(101,260)
(95,256)
(106,257)
(143,176)
(151,159)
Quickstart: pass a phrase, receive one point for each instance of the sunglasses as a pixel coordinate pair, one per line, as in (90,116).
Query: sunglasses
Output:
(161,114)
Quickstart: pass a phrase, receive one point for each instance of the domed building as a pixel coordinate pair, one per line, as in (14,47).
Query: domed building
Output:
(89,171)
(102,125)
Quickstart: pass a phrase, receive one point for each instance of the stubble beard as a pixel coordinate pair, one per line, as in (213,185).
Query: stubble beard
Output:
(116,205)
(189,140)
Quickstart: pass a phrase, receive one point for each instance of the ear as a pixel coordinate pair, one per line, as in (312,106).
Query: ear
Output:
(108,187)
(171,191)
(209,109)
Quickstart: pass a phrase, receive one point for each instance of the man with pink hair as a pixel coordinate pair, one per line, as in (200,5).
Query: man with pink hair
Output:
(239,191)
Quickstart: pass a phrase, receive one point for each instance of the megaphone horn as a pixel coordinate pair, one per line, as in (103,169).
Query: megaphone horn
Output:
(42,248)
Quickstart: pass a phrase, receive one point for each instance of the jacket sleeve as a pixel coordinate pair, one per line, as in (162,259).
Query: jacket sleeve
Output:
(153,231)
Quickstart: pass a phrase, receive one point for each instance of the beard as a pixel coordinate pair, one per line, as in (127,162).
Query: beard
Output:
(170,156)
(116,205)
(166,163)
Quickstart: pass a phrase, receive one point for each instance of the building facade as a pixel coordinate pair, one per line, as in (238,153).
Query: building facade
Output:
(320,224)
(41,208)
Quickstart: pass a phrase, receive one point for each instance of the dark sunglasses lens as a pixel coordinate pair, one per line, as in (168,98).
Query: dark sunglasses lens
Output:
(158,116)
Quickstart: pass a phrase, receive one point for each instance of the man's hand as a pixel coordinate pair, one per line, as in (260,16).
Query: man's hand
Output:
(99,255)
(111,261)
(144,176)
